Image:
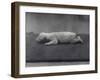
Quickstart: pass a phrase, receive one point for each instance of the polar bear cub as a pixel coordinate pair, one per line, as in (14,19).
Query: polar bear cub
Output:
(55,37)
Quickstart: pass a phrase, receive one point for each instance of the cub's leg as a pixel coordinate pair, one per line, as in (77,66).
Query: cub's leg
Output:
(54,41)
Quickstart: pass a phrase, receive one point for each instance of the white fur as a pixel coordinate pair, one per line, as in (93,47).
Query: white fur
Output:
(56,37)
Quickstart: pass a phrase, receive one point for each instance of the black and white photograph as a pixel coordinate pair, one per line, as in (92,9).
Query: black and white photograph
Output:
(56,39)
(52,39)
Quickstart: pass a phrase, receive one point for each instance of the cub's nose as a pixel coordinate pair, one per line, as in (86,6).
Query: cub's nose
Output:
(37,39)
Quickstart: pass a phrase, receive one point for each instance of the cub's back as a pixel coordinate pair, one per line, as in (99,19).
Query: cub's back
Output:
(64,36)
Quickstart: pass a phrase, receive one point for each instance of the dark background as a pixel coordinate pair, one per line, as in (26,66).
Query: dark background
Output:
(43,22)
(37,22)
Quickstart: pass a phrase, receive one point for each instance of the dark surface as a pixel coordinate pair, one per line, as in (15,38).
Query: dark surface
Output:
(36,52)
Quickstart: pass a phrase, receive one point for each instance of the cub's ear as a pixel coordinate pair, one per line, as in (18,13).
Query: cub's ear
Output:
(42,32)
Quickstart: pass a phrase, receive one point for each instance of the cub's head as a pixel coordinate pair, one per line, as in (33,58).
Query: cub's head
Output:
(41,37)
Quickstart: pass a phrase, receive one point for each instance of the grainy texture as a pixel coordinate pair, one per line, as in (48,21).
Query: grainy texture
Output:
(38,52)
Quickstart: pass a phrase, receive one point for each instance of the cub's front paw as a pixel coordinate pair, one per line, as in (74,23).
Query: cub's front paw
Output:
(47,44)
